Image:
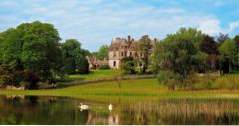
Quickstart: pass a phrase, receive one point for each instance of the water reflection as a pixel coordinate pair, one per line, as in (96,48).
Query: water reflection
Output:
(55,110)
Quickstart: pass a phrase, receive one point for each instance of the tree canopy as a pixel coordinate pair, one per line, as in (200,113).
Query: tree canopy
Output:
(74,57)
(34,51)
(102,52)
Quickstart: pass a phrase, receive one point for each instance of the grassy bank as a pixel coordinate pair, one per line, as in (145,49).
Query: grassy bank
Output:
(139,89)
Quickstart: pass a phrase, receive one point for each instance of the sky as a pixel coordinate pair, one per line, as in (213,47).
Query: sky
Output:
(97,22)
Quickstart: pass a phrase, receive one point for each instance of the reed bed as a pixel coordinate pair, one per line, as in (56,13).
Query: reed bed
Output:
(182,112)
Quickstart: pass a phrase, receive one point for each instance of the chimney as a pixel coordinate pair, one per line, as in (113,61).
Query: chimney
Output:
(155,39)
(129,38)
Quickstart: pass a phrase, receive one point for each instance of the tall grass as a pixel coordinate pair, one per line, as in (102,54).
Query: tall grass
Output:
(207,82)
(182,112)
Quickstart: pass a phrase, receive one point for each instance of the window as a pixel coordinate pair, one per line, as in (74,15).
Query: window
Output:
(130,53)
(141,54)
(135,54)
(114,63)
(122,54)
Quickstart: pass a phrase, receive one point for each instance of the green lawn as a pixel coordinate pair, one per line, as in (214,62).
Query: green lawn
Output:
(96,74)
(140,89)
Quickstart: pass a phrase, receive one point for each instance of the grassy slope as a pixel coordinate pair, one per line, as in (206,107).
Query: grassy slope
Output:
(140,89)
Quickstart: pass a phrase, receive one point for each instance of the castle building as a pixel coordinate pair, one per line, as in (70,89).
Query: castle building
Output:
(121,48)
(95,63)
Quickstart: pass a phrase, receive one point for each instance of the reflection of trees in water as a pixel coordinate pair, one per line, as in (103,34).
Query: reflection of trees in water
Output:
(14,106)
(53,110)
(181,112)
(50,110)
(43,110)
(102,118)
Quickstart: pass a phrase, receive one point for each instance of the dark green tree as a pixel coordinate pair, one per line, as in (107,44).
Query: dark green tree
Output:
(221,38)
(144,48)
(210,47)
(179,54)
(128,65)
(33,47)
(74,57)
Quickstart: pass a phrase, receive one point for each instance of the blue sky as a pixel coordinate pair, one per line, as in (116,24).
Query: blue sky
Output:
(96,22)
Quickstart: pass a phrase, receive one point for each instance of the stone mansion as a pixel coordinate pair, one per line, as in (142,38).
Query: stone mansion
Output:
(121,48)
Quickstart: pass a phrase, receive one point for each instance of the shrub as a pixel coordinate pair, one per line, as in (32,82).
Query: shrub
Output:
(7,76)
(169,79)
(128,65)
(83,66)
(227,82)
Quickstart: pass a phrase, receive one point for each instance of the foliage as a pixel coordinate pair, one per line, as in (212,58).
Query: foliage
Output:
(188,51)
(103,52)
(34,47)
(179,54)
(74,57)
(144,48)
(201,64)
(128,65)
(221,38)
(229,55)
(208,45)
(30,80)
(7,76)
(169,78)
(33,53)
(82,65)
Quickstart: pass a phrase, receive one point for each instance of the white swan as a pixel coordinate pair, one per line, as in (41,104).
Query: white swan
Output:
(110,107)
(83,107)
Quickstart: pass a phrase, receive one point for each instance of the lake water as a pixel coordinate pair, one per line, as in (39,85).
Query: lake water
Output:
(56,110)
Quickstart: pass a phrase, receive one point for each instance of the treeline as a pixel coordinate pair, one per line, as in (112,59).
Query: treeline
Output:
(32,53)
(179,56)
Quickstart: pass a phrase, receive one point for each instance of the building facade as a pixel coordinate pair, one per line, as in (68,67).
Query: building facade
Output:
(121,48)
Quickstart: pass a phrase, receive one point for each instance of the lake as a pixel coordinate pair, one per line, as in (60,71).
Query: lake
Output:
(60,110)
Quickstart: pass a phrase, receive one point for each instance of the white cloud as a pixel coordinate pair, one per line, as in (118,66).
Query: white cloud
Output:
(233,26)
(94,22)
(210,26)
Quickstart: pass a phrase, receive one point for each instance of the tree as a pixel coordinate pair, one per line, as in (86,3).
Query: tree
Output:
(222,38)
(103,52)
(74,57)
(33,47)
(7,76)
(236,39)
(128,65)
(41,52)
(228,55)
(144,48)
(209,47)
(179,53)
